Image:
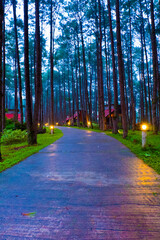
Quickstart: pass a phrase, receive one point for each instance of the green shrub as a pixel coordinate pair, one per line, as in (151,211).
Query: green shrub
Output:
(41,130)
(9,123)
(10,126)
(18,125)
(10,136)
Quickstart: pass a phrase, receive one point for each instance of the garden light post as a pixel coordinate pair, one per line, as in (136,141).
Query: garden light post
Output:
(144,128)
(51,127)
(89,124)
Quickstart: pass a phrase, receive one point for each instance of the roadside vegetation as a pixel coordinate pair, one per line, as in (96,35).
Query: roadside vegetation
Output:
(150,154)
(15,147)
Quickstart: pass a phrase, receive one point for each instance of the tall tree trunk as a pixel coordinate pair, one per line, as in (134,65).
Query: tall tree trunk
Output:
(121,72)
(101,69)
(77,92)
(142,64)
(141,97)
(51,65)
(1,37)
(133,113)
(107,74)
(4,70)
(64,99)
(109,95)
(73,95)
(148,78)
(32,75)
(27,80)
(38,72)
(18,62)
(155,70)
(126,97)
(96,98)
(56,109)
(148,84)
(80,84)
(69,95)
(87,106)
(60,100)
(115,122)
(102,120)
(142,80)
(15,93)
(90,88)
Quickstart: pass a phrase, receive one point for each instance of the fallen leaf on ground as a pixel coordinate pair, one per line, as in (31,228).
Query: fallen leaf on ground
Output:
(29,214)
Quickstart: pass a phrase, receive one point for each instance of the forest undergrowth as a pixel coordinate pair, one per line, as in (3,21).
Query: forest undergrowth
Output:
(17,152)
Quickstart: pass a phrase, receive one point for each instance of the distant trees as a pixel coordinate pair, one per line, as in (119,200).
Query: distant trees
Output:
(104,55)
(93,24)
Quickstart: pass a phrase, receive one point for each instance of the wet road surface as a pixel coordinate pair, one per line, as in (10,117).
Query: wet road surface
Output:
(84,186)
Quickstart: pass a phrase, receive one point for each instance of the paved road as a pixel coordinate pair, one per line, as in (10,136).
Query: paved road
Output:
(85,186)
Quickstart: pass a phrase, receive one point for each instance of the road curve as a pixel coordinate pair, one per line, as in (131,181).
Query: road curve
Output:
(84,186)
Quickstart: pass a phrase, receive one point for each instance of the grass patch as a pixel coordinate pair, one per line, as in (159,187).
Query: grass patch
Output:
(150,154)
(15,153)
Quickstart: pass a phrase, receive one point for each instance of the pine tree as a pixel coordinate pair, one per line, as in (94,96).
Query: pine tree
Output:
(1,37)
(27,79)
(121,72)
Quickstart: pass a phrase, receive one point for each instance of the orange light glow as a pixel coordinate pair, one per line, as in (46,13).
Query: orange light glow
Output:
(144,127)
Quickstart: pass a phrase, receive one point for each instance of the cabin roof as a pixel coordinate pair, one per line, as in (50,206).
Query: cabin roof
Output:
(107,111)
(11,116)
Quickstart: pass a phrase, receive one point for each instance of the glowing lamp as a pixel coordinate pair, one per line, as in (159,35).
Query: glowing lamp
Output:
(56,123)
(69,123)
(38,124)
(144,127)
(51,127)
(89,124)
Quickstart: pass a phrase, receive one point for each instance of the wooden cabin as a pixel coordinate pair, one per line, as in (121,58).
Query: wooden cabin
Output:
(73,119)
(110,117)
